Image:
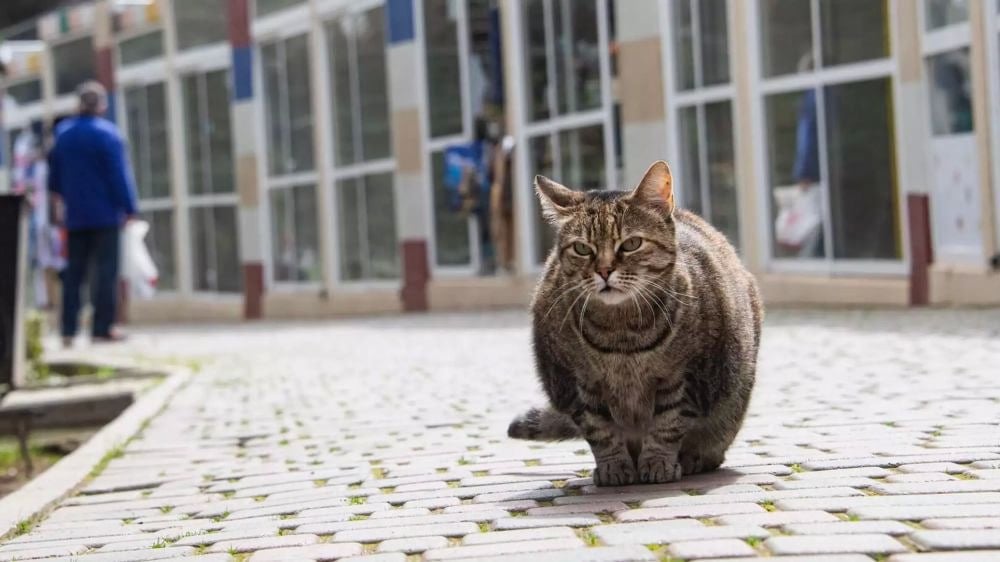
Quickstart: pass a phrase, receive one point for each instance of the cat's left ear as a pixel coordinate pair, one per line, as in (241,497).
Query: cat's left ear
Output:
(657,186)
(557,200)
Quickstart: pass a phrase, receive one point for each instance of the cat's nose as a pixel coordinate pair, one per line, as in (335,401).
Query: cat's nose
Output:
(605,272)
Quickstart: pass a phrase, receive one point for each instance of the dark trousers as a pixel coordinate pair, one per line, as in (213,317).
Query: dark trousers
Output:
(93,251)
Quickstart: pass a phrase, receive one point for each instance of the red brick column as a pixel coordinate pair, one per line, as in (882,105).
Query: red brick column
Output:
(921,247)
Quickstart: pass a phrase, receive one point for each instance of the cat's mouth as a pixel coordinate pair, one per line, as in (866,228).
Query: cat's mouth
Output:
(611,295)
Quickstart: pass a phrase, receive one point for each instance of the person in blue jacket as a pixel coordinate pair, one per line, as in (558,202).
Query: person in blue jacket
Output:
(89,171)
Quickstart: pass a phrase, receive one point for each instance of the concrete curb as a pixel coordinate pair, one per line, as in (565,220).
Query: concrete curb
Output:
(39,495)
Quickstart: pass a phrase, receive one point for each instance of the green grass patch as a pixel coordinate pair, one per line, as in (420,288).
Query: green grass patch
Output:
(768,506)
(358,500)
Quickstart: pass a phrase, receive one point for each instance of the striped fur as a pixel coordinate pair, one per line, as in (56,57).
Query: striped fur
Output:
(645,349)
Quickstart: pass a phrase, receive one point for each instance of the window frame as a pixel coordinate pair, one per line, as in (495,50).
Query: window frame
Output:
(821,77)
(526,239)
(433,145)
(334,173)
(697,97)
(275,28)
(142,76)
(992,23)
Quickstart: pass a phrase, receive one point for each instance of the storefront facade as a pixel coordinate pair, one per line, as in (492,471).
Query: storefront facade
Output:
(290,154)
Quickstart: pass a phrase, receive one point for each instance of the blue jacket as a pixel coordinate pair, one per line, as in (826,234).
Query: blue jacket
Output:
(89,169)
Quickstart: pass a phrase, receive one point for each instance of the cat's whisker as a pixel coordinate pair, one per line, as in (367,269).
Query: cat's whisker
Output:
(572,304)
(583,310)
(568,290)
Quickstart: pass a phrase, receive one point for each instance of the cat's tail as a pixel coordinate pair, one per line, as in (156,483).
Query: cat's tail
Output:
(543,424)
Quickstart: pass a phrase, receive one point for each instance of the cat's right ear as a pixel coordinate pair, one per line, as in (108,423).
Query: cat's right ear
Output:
(657,186)
(557,200)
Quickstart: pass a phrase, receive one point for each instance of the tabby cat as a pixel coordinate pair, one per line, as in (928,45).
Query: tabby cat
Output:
(646,329)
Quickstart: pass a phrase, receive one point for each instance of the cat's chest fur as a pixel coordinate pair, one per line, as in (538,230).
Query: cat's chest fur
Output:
(625,384)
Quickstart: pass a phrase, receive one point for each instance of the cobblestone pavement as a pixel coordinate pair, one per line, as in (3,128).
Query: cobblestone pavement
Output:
(872,436)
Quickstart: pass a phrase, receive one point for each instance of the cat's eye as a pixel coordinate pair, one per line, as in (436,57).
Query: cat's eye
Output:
(631,245)
(582,249)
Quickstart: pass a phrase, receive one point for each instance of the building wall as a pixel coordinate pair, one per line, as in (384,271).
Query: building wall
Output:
(326,196)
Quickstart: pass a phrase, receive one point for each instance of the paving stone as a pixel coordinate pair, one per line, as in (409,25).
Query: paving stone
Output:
(918,512)
(130,556)
(503,549)
(753,497)
(318,552)
(251,545)
(385,557)
(859,472)
(957,539)
(834,544)
(201,539)
(844,503)
(806,558)
(595,507)
(598,554)
(972,556)
(917,477)
(537,521)
(962,523)
(849,528)
(946,467)
(695,511)
(777,518)
(950,487)
(413,545)
(663,532)
(43,552)
(519,535)
(405,532)
(690,550)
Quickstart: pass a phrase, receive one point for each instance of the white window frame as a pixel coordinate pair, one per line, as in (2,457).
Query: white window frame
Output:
(762,87)
(329,11)
(433,145)
(529,262)
(153,71)
(697,97)
(992,23)
(132,34)
(274,28)
(51,67)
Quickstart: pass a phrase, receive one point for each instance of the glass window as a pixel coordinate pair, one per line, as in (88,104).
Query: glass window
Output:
(215,249)
(563,53)
(199,22)
(690,186)
(702,33)
(793,166)
(360,85)
(574,158)
(948,77)
(444,86)
(265,7)
(73,63)
(854,30)
(367,219)
(721,160)
(942,13)
(25,92)
(160,241)
(141,48)
(148,137)
(860,156)
(208,132)
(288,104)
(786,32)
(451,229)
(294,234)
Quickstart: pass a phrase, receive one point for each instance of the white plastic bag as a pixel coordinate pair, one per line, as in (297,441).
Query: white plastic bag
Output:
(138,268)
(799,215)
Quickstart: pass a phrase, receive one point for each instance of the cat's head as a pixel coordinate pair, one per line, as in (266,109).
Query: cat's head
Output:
(615,245)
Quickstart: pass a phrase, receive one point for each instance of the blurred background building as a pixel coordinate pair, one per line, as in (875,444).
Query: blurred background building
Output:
(290,154)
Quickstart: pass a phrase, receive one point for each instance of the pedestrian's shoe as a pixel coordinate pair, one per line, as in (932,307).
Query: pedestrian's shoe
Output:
(113,337)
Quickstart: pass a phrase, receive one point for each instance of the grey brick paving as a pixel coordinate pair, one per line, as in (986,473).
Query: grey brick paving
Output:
(870,434)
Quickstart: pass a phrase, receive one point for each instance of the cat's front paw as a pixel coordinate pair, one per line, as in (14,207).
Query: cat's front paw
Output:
(615,472)
(659,470)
